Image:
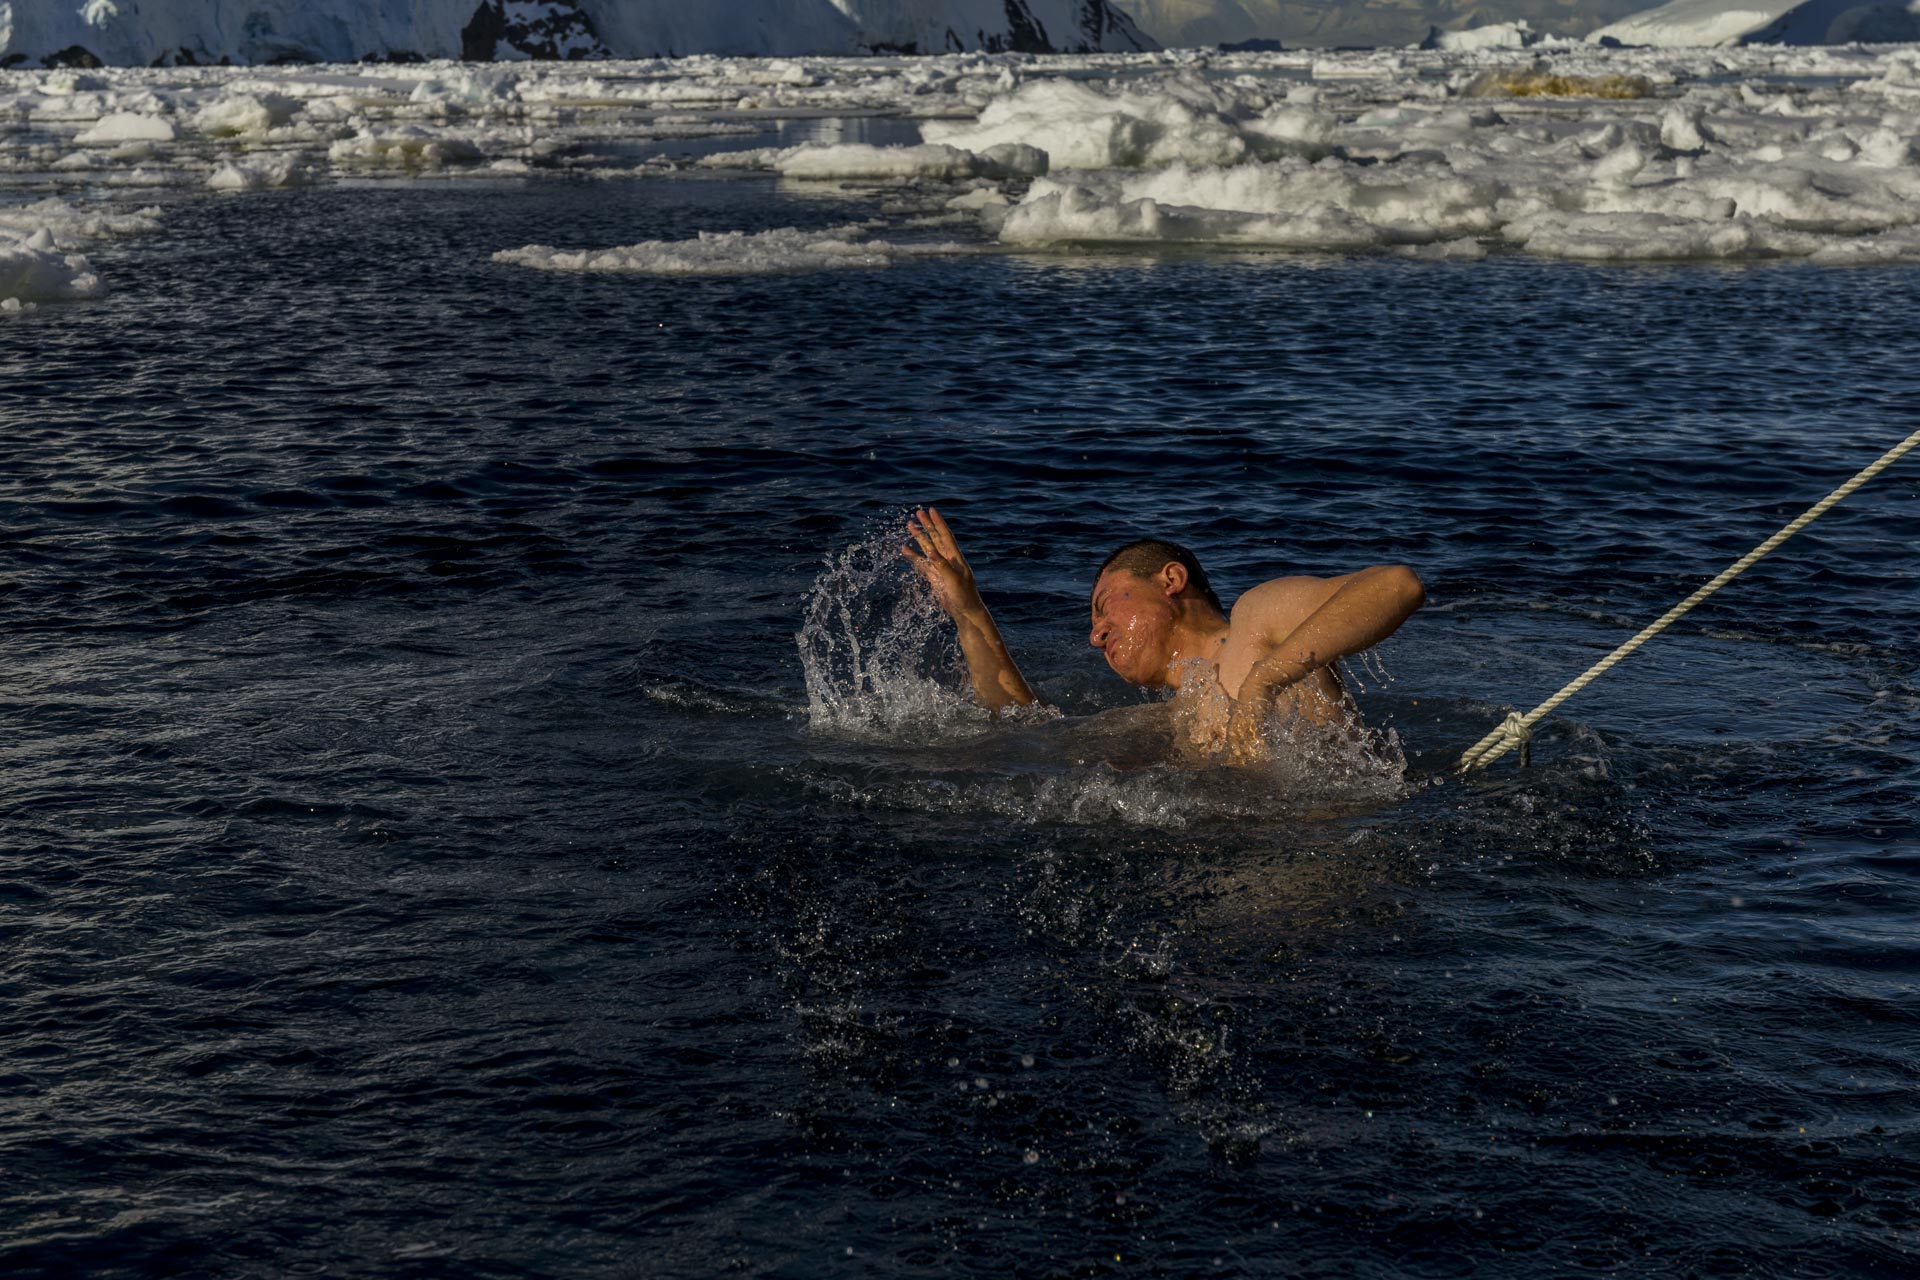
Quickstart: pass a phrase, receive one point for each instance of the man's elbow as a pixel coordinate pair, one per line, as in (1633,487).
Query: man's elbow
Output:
(1409,593)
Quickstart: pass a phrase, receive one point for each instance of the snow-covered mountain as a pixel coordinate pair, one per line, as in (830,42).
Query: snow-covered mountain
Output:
(136,32)
(1694,23)
(1327,23)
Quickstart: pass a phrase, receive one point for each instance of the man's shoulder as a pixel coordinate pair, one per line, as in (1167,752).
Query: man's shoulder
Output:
(1282,592)
(1280,603)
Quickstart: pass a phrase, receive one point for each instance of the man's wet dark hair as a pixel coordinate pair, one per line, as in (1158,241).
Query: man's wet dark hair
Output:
(1149,556)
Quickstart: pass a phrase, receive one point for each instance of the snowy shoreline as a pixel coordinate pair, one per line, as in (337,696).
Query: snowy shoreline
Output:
(1574,152)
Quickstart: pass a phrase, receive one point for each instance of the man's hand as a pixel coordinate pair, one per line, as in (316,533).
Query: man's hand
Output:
(997,682)
(1245,743)
(939,561)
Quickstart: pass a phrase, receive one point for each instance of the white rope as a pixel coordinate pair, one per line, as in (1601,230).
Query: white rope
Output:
(1517,729)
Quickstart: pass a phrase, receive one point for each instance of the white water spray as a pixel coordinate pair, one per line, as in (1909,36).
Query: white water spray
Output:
(877,653)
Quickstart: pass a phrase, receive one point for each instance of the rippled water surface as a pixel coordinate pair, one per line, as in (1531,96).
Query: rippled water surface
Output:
(419,861)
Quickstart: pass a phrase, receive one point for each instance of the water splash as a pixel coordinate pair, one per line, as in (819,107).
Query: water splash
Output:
(1339,760)
(875,649)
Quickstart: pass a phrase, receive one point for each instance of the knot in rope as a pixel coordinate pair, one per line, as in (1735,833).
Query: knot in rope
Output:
(1518,732)
(1515,730)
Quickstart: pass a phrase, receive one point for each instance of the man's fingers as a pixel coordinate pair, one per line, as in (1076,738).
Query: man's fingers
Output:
(937,525)
(920,537)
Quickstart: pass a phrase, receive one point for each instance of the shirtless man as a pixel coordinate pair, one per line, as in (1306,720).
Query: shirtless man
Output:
(1157,622)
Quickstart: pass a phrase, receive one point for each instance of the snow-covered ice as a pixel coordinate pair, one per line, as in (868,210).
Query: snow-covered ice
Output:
(127,126)
(260,175)
(407,147)
(1496,35)
(728,253)
(33,269)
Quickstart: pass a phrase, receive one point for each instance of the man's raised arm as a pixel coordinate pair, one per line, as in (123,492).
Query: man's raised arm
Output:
(1343,616)
(997,682)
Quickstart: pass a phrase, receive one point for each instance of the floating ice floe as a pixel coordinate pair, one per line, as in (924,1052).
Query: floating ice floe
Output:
(245,115)
(128,126)
(407,147)
(933,160)
(729,253)
(70,226)
(1081,126)
(480,87)
(261,175)
(32,270)
(1569,150)
(37,262)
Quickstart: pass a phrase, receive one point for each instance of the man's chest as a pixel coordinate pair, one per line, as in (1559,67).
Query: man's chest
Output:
(1242,653)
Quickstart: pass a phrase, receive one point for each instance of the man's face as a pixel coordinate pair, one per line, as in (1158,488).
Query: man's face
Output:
(1132,622)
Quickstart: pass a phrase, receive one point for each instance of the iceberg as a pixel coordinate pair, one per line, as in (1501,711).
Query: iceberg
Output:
(1710,23)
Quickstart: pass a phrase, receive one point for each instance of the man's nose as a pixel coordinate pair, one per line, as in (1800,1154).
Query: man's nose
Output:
(1097,637)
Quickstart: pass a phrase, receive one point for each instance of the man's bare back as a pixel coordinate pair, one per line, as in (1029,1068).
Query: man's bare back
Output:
(1158,623)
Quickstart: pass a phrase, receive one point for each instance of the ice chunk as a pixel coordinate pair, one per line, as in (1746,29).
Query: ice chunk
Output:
(1620,165)
(68,226)
(1654,236)
(260,175)
(407,147)
(32,269)
(859,161)
(1498,35)
(469,86)
(1291,128)
(66,81)
(128,126)
(1902,244)
(728,253)
(1014,160)
(1886,149)
(1074,214)
(1681,128)
(245,115)
(1412,202)
(1080,126)
(979,198)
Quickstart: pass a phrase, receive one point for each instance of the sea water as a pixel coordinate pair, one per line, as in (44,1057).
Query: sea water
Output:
(480,796)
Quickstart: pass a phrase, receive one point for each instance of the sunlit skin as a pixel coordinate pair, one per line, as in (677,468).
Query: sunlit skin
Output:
(1275,650)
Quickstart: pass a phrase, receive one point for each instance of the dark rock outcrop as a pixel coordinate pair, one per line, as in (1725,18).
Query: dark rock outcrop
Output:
(1104,27)
(74,55)
(1024,32)
(557,31)
(1100,26)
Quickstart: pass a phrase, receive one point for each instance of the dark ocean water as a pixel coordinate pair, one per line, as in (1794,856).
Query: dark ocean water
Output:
(418,860)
